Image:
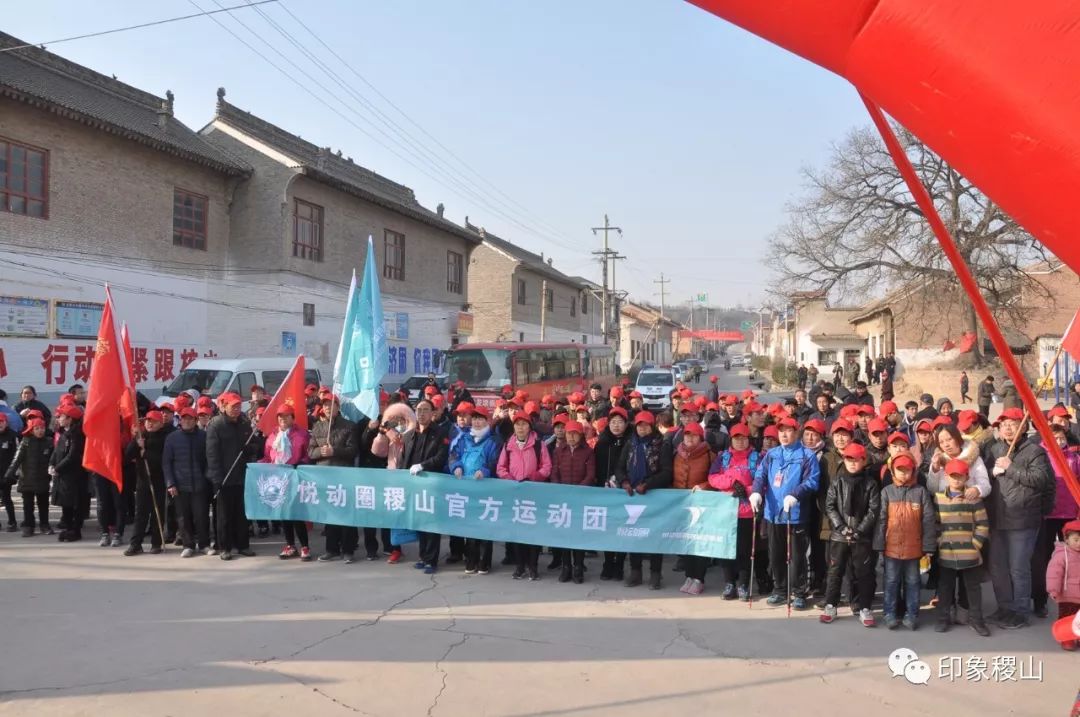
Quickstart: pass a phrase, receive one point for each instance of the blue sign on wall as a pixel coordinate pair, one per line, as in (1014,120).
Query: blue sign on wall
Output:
(288,343)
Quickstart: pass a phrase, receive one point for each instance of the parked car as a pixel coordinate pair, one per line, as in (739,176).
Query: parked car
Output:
(415,385)
(655,387)
(213,377)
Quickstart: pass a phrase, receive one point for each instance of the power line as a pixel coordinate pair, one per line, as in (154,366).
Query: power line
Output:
(201,13)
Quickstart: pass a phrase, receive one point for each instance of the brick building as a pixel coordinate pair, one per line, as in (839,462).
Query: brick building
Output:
(517,295)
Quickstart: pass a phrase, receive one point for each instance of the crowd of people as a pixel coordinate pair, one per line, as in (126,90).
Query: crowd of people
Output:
(830,487)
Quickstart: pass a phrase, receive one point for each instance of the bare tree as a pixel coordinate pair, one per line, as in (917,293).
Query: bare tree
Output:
(858,232)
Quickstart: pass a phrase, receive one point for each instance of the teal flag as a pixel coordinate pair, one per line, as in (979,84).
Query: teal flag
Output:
(362,358)
(670,522)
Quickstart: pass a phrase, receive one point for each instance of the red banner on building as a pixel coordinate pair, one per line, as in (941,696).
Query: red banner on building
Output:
(711,335)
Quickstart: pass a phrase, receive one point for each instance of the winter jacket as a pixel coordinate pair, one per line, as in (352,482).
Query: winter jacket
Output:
(381,447)
(853,501)
(907,526)
(70,482)
(963,530)
(472,455)
(343,437)
(936,480)
(226,458)
(1064,503)
(153,451)
(9,444)
(658,463)
(1063,575)
(854,399)
(31,464)
(14,420)
(986,393)
(691,466)
(524,462)
(787,470)
(183,461)
(427,448)
(608,450)
(299,448)
(1025,492)
(35,405)
(731,467)
(1010,397)
(831,463)
(574,466)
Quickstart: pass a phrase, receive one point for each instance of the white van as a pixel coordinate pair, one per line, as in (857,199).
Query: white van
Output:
(213,377)
(655,385)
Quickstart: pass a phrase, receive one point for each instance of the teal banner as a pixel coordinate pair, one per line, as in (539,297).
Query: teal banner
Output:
(670,522)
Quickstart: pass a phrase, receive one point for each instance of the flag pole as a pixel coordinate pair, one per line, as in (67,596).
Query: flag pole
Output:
(1042,390)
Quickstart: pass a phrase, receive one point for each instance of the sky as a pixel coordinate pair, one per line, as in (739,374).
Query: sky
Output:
(532,119)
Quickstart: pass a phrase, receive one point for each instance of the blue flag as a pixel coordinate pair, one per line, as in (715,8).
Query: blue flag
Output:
(362,358)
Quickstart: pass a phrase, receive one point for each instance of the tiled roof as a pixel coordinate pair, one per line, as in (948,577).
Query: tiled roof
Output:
(324,166)
(533,262)
(48,81)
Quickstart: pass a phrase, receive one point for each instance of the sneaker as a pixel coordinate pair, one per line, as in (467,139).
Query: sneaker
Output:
(686,585)
(776,599)
(578,576)
(430,569)
(247,552)
(910,622)
(12,527)
(115,542)
(47,530)
(348,558)
(979,627)
(470,571)
(743,593)
(656,581)
(565,573)
(1012,621)
(634,580)
(942,625)
(828,615)
(211,551)
(155,550)
(533,575)
(799,603)
(287,552)
(518,574)
(371,557)
(105,541)
(696,587)
(187,553)
(419,565)
(226,555)
(305,554)
(483,571)
(891,622)
(867,617)
(729,592)
(327,557)
(997,615)
(133,550)
(28,532)
(178,542)
(395,558)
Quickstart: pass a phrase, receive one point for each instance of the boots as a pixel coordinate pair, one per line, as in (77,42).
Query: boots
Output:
(579,574)
(564,575)
(656,580)
(635,578)
(606,572)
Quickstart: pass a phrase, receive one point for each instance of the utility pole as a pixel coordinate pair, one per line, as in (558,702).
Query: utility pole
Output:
(663,308)
(604,255)
(543,309)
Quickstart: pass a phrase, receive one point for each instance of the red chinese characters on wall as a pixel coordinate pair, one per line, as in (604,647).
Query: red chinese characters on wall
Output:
(163,364)
(64,363)
(54,360)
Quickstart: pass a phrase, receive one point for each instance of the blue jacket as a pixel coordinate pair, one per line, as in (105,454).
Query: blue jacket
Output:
(800,475)
(183,461)
(470,456)
(15,421)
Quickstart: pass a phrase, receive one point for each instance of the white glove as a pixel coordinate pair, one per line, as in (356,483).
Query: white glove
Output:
(416,469)
(755,501)
(790,502)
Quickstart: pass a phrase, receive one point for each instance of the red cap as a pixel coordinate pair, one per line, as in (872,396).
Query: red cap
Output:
(635,394)
(748,394)
(688,408)
(154,416)
(286,410)
(753,407)
(772,432)
(849,411)
(574,427)
(899,437)
(729,399)
(500,403)
(886,408)
(1073,526)
(459,384)
(521,395)
(853,450)
(430,390)
(311,389)
(815,424)
(600,425)
(187,412)
(228,399)
(532,407)
(465,407)
(866,410)
(686,393)
(924,426)
(877,425)
(67,398)
(547,400)
(1066,629)
(941,421)
(788,422)
(695,429)
(582,409)
(71,411)
(438,400)
(616,392)
(713,379)
(32,424)
(1011,414)
(204,401)
(700,401)
(617,411)
(478,411)
(506,388)
(711,406)
(576,397)
(841,424)
(956,467)
(205,411)
(331,398)
(562,418)
(903,460)
(967,419)
(182,400)
(256,387)
(644,417)
(167,407)
(739,429)
(522,416)
(1057,412)
(259,412)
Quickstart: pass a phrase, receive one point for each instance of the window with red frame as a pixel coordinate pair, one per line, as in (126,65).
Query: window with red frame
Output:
(189,219)
(308,231)
(24,175)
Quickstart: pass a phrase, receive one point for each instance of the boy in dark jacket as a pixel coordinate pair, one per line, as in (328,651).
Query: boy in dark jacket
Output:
(645,464)
(31,464)
(906,531)
(227,436)
(69,477)
(852,505)
(183,462)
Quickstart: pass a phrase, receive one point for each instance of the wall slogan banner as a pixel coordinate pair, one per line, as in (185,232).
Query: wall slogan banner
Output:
(671,522)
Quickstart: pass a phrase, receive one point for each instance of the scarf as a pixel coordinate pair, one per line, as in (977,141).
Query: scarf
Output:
(479,436)
(637,466)
(282,448)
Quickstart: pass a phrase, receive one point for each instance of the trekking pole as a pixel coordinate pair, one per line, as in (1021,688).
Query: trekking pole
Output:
(753,547)
(153,499)
(788,567)
(233,466)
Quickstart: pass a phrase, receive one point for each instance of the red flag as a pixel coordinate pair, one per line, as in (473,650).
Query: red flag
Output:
(291,393)
(128,408)
(1071,340)
(101,422)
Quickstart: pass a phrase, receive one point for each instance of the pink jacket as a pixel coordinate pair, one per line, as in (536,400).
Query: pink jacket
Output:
(1063,575)
(1064,503)
(299,441)
(738,470)
(520,463)
(382,446)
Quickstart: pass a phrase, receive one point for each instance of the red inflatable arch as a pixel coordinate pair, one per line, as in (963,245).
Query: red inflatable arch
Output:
(992,86)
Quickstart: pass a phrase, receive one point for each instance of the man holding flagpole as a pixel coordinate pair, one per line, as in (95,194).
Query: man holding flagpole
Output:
(227,436)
